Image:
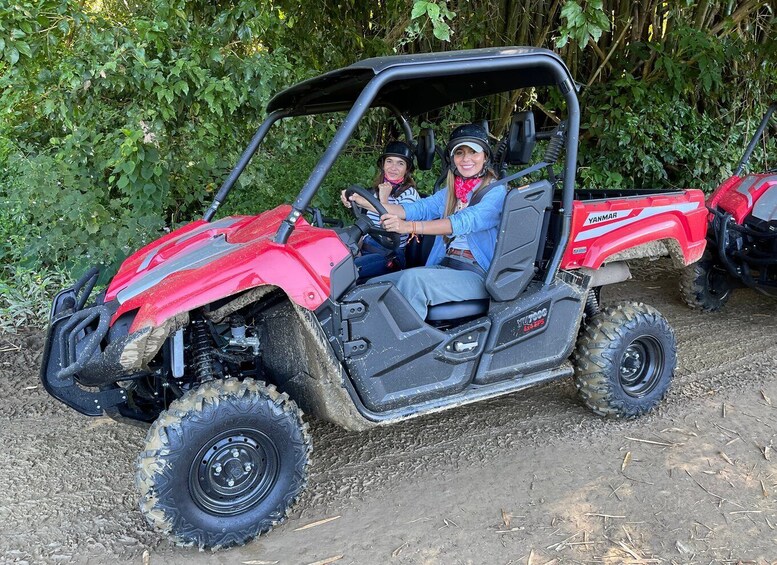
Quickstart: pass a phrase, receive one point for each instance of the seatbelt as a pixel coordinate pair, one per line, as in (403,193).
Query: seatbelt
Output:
(478,196)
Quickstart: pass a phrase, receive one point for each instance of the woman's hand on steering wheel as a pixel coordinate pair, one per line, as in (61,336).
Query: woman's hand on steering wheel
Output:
(388,239)
(344,199)
(394,223)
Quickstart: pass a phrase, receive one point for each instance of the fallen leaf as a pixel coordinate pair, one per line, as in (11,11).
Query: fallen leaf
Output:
(626,460)
(651,442)
(631,552)
(682,548)
(146,557)
(766,398)
(398,550)
(260,562)
(729,461)
(506,518)
(328,560)
(314,524)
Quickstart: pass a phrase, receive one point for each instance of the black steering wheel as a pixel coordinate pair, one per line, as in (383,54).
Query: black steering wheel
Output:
(388,239)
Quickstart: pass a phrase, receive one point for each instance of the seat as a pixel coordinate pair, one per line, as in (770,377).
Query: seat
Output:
(417,252)
(520,243)
(456,310)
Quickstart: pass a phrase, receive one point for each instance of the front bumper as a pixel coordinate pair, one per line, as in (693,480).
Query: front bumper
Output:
(73,359)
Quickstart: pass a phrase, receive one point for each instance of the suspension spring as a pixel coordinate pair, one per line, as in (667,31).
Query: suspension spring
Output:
(554,148)
(202,348)
(556,144)
(592,303)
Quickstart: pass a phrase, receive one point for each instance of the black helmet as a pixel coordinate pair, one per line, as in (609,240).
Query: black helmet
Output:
(398,149)
(471,135)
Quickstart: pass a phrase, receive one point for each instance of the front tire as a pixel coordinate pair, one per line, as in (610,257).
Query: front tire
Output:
(223,464)
(624,361)
(705,285)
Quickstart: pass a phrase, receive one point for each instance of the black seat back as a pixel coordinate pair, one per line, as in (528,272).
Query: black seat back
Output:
(417,252)
(521,139)
(425,149)
(518,242)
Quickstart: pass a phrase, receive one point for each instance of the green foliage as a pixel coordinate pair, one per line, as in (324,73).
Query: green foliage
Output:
(693,62)
(434,12)
(120,120)
(646,137)
(134,124)
(582,22)
(25,296)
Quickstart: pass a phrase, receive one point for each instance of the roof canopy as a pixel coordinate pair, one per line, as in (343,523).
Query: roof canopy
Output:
(415,84)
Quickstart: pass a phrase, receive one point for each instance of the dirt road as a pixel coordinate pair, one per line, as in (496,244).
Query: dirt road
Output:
(531,478)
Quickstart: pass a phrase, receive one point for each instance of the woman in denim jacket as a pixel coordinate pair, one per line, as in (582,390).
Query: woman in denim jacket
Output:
(466,235)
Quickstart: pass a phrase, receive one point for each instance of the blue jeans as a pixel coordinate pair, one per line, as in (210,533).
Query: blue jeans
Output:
(374,264)
(375,260)
(428,286)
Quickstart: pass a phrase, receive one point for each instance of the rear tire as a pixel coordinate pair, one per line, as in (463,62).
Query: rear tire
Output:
(624,361)
(705,285)
(223,464)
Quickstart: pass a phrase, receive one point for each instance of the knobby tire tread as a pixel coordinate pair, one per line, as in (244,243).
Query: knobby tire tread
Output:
(694,286)
(597,356)
(151,468)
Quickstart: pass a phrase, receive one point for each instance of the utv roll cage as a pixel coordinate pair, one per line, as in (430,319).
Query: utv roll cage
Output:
(753,142)
(409,86)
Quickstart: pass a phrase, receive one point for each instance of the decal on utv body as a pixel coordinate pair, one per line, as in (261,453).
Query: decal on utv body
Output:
(596,219)
(526,323)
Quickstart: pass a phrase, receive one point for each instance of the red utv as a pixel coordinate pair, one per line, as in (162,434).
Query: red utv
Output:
(222,332)
(742,236)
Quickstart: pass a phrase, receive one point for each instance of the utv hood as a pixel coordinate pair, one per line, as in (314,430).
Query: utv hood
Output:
(205,261)
(754,194)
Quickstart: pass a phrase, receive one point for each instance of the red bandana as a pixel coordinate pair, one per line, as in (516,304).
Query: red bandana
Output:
(464,186)
(393,182)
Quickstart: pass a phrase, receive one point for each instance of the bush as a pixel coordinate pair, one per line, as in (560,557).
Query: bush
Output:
(25,296)
(122,119)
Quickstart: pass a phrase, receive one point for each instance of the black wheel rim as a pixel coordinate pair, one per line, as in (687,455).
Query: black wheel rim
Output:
(641,365)
(233,472)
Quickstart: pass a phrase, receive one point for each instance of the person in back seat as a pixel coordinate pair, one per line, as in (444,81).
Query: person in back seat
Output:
(465,218)
(393,184)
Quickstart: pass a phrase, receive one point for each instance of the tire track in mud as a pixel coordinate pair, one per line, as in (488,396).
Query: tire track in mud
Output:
(66,485)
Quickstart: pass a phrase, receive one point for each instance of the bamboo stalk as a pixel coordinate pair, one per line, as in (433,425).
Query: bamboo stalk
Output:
(612,50)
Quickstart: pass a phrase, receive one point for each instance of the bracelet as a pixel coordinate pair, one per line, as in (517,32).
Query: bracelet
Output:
(413,235)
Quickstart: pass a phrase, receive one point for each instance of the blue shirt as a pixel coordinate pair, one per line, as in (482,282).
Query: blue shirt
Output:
(480,223)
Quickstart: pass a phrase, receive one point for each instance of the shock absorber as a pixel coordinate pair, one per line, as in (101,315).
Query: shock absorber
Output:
(556,144)
(592,303)
(202,348)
